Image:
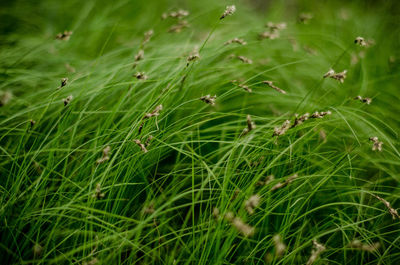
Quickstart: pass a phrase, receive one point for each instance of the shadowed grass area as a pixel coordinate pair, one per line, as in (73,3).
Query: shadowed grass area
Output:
(123,163)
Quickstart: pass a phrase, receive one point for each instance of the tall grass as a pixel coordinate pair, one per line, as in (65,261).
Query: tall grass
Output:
(58,205)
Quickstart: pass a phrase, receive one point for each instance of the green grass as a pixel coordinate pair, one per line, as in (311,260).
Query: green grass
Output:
(158,206)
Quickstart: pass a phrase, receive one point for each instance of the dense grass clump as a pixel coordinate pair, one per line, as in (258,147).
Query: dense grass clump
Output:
(199,132)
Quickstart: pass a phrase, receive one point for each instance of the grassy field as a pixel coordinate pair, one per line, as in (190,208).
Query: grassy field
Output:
(207,135)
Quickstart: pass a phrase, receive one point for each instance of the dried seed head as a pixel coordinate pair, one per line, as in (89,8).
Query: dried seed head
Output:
(286,182)
(209,99)
(106,155)
(377,145)
(315,252)
(147,36)
(319,115)
(139,56)
(360,41)
(179,26)
(300,119)
(154,113)
(64,82)
(194,55)
(245,229)
(305,17)
(276,26)
(147,143)
(32,123)
(271,85)
(142,146)
(252,203)
(67,100)
(337,76)
(280,247)
(250,126)
(266,181)
(236,40)
(245,59)
(64,35)
(98,194)
(37,250)
(229,216)
(278,131)
(364,100)
(228,11)
(176,14)
(5,97)
(268,35)
(357,244)
(93,261)
(216,213)
(391,210)
(141,76)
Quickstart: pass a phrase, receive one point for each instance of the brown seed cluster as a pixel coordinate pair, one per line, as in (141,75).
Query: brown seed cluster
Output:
(245,87)
(64,35)
(154,113)
(106,155)
(210,100)
(278,131)
(193,56)
(236,40)
(286,182)
(357,244)
(175,14)
(337,76)
(228,11)
(244,59)
(67,100)
(143,146)
(376,144)
(141,76)
(64,82)
(147,36)
(364,100)
(98,194)
(391,210)
(182,24)
(5,97)
(252,203)
(250,126)
(266,181)
(315,252)
(271,85)
(243,228)
(304,18)
(360,41)
(280,247)
(273,31)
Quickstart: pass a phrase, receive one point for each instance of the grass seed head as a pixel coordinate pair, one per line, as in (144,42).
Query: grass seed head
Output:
(245,229)
(67,100)
(154,113)
(182,24)
(106,155)
(236,40)
(250,126)
(210,100)
(280,247)
(315,252)
(278,131)
(391,210)
(285,183)
(64,82)
(320,115)
(228,11)
(176,14)
(364,100)
(142,146)
(147,36)
(268,35)
(141,76)
(360,41)
(193,56)
(245,59)
(64,35)
(357,244)
(304,18)
(98,194)
(376,144)
(252,203)
(337,76)
(271,85)
(5,97)
(139,56)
